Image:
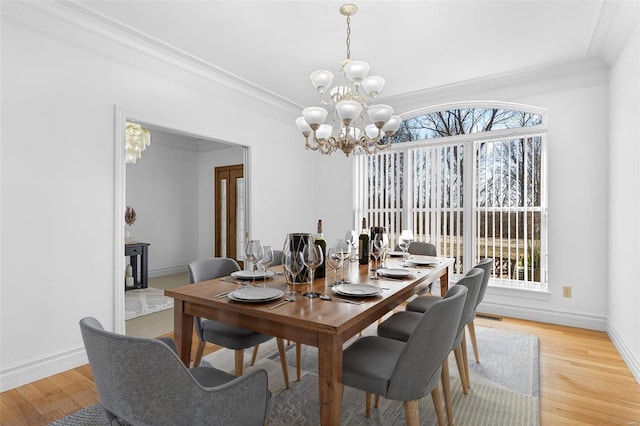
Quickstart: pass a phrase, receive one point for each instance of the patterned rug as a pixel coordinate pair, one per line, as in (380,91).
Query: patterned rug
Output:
(504,387)
(145,301)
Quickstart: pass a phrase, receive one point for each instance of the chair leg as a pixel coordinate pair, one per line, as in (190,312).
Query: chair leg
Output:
(459,362)
(446,390)
(254,355)
(465,361)
(376,401)
(298,359)
(239,355)
(367,404)
(199,351)
(437,403)
(474,342)
(283,361)
(411,412)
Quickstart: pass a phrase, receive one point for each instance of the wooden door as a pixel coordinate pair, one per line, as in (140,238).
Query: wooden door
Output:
(229,211)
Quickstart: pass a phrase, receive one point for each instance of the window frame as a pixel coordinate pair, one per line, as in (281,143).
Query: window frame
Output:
(469,141)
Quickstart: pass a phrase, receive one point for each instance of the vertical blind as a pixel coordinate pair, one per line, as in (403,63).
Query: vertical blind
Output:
(496,201)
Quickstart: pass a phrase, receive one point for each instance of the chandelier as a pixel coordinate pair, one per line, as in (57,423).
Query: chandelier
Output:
(137,140)
(354,94)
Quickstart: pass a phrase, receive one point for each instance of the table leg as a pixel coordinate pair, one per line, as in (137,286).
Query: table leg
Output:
(330,378)
(444,282)
(144,268)
(182,332)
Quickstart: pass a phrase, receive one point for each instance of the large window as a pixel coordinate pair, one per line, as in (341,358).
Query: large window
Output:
(471,181)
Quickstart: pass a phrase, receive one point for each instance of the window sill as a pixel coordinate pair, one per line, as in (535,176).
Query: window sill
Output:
(520,293)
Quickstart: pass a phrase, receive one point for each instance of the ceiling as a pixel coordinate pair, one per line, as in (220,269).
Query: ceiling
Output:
(414,45)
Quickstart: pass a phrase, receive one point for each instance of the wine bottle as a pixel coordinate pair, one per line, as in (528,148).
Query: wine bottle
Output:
(363,243)
(322,246)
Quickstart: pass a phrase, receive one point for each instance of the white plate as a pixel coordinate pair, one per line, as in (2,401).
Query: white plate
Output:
(359,290)
(394,272)
(424,260)
(395,253)
(255,294)
(248,275)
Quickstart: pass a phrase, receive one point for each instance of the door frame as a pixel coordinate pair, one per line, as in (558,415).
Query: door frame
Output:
(216,200)
(121,116)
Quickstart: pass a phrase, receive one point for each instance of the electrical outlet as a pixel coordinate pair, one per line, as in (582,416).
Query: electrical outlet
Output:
(566,291)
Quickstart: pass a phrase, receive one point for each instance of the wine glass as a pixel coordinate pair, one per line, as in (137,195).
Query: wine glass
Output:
(406,236)
(293,264)
(343,251)
(312,258)
(335,262)
(267,259)
(375,248)
(352,238)
(253,252)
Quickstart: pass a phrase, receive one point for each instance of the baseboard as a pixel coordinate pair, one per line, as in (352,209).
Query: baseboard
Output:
(626,352)
(31,371)
(161,272)
(569,319)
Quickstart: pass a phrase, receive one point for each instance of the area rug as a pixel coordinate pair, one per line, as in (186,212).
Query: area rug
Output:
(504,387)
(145,301)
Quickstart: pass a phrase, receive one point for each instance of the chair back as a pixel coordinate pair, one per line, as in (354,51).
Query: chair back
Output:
(143,382)
(486,265)
(472,281)
(277,258)
(428,346)
(208,269)
(420,248)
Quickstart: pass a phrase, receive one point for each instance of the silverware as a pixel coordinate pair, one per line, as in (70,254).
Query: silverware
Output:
(280,303)
(223,294)
(353,302)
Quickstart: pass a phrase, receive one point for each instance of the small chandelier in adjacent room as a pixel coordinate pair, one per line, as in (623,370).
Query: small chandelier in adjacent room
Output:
(137,140)
(354,93)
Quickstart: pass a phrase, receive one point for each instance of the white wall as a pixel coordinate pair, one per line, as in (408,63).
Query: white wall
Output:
(162,187)
(624,205)
(60,85)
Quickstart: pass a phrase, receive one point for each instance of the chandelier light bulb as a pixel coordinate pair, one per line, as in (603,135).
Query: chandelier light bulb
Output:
(321,80)
(348,111)
(372,131)
(380,114)
(324,131)
(303,126)
(356,71)
(314,116)
(392,125)
(373,85)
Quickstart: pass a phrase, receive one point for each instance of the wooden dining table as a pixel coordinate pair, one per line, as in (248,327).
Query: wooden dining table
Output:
(325,324)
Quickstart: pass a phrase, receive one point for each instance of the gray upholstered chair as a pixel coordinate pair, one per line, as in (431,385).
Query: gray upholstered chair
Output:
(401,325)
(420,248)
(277,258)
(225,335)
(406,371)
(143,382)
(486,265)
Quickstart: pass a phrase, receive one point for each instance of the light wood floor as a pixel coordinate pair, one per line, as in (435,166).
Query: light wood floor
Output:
(583,382)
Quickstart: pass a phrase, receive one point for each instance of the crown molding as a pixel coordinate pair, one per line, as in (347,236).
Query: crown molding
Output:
(508,86)
(81,27)
(616,22)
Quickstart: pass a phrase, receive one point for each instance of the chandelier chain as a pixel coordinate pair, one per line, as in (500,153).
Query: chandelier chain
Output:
(348,37)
